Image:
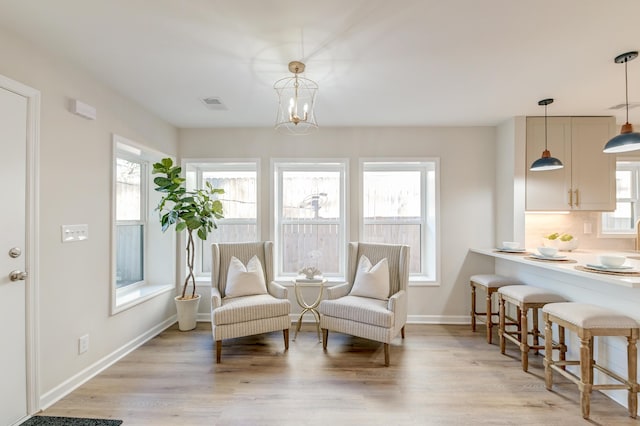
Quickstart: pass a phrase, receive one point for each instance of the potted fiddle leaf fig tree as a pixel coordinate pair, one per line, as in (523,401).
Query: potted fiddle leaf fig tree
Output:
(191,211)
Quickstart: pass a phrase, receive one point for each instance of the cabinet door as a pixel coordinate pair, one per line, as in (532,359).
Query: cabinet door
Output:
(593,172)
(549,190)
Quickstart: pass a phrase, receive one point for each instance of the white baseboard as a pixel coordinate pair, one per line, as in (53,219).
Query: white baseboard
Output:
(66,387)
(411,319)
(439,319)
(203,317)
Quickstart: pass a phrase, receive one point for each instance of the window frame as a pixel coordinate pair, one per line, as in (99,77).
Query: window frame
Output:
(142,221)
(154,243)
(280,165)
(429,209)
(624,164)
(199,165)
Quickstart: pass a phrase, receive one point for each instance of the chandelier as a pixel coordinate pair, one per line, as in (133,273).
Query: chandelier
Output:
(296,102)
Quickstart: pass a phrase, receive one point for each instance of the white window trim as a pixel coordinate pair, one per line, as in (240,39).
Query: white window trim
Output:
(306,164)
(432,216)
(134,294)
(248,164)
(601,233)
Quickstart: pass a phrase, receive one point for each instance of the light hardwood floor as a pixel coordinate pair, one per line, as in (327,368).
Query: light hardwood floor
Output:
(439,375)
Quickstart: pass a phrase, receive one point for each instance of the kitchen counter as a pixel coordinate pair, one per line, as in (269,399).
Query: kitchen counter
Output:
(620,293)
(582,257)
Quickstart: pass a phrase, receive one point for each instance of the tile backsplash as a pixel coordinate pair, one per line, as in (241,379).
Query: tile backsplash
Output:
(538,225)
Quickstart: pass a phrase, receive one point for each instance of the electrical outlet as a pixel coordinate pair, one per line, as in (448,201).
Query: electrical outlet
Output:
(83,344)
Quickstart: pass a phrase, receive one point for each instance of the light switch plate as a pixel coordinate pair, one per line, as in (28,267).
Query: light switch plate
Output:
(72,233)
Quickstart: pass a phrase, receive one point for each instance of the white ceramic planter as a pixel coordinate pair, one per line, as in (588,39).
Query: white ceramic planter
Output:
(187,312)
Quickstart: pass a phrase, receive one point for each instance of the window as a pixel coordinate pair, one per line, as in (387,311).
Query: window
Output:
(143,256)
(310,217)
(399,207)
(240,203)
(623,219)
(130,221)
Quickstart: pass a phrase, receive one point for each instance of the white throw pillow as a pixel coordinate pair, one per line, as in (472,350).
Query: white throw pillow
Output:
(371,281)
(245,281)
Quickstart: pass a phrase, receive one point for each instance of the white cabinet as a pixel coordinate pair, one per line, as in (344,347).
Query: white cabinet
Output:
(587,181)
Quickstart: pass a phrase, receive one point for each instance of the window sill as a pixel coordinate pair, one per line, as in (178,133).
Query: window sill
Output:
(423,282)
(127,298)
(617,235)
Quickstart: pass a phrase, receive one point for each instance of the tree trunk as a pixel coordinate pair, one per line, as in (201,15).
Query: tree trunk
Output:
(191,253)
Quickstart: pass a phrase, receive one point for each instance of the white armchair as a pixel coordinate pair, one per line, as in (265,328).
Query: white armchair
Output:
(370,318)
(246,315)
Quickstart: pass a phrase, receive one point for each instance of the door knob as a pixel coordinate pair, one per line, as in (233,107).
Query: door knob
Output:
(17,275)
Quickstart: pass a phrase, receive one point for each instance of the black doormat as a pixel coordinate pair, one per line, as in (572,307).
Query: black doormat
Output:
(69,421)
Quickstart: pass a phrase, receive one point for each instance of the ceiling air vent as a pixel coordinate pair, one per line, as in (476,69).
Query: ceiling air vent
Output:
(213,103)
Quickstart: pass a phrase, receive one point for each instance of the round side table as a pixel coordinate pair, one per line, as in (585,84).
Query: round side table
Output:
(298,284)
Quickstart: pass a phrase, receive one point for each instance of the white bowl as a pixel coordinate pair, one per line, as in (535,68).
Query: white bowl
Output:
(561,245)
(611,260)
(510,244)
(548,251)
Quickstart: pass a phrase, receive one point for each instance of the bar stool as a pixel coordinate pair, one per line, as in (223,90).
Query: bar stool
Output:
(490,284)
(588,321)
(524,297)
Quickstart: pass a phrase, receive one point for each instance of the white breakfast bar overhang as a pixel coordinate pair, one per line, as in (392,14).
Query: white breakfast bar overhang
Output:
(621,293)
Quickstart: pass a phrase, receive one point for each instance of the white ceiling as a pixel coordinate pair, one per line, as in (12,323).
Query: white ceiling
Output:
(377,62)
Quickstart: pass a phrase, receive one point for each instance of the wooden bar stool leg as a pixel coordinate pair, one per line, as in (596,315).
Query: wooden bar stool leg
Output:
(535,330)
(632,367)
(524,341)
(501,329)
(562,345)
(473,307)
(586,373)
(548,353)
(489,316)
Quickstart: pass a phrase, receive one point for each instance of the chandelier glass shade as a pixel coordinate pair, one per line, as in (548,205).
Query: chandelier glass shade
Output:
(627,140)
(296,102)
(546,162)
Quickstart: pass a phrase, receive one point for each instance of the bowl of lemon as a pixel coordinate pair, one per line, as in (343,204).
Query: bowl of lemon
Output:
(563,242)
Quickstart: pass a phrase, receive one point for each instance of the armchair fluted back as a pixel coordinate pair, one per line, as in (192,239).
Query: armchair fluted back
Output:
(397,257)
(221,258)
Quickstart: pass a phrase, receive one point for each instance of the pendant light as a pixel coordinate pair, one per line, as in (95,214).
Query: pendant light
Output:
(546,162)
(296,102)
(627,140)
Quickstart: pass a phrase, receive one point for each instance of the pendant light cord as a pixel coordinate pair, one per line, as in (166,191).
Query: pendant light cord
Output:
(545,127)
(626,88)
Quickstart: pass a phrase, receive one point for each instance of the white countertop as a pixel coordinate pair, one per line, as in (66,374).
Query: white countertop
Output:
(582,257)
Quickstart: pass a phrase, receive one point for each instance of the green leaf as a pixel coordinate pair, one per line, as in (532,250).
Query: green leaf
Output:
(193,223)
(162,181)
(181,226)
(202,234)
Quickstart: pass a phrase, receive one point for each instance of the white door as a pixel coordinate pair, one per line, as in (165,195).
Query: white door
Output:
(13,351)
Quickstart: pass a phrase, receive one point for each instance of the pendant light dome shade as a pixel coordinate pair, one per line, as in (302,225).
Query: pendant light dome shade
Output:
(627,140)
(546,162)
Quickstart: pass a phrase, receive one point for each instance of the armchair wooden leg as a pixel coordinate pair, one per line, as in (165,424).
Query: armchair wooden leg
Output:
(218,351)
(285,332)
(402,331)
(473,307)
(386,354)
(325,336)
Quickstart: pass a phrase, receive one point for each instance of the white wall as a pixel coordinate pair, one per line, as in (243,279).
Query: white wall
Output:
(510,180)
(467,182)
(75,187)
